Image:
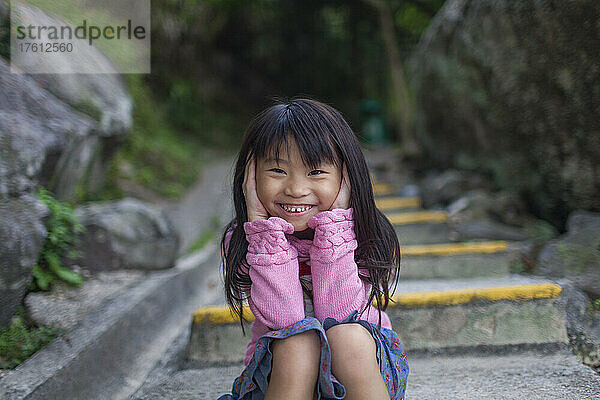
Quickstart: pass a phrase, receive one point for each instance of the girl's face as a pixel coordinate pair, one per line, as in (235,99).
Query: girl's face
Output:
(292,190)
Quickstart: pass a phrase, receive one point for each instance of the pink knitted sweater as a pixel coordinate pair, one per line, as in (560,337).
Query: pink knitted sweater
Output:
(276,298)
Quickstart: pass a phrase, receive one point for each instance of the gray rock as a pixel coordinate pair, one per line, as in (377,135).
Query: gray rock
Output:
(102,96)
(583,325)
(472,205)
(42,140)
(126,234)
(22,235)
(496,216)
(576,254)
(440,189)
(512,88)
(59,130)
(580,220)
(485,229)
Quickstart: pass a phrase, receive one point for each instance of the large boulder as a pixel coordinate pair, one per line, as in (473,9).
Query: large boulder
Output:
(42,140)
(583,325)
(496,216)
(62,129)
(22,234)
(127,234)
(576,254)
(103,96)
(59,131)
(512,89)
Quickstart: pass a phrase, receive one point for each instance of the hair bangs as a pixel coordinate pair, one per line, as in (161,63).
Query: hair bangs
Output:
(307,128)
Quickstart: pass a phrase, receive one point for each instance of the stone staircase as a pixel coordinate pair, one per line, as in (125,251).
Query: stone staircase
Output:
(457,309)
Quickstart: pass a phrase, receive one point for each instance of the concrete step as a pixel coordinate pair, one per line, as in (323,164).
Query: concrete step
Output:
(524,375)
(458,260)
(430,314)
(421,227)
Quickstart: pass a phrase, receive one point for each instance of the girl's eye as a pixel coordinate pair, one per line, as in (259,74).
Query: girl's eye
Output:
(316,172)
(277,170)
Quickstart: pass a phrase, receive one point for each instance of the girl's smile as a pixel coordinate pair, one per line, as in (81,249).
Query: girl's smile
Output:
(291,190)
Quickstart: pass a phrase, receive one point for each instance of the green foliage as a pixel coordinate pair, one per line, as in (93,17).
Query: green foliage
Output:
(18,343)
(596,305)
(63,230)
(518,267)
(193,117)
(412,19)
(157,155)
(541,230)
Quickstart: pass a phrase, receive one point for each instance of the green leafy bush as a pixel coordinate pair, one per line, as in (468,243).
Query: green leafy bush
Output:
(63,229)
(18,343)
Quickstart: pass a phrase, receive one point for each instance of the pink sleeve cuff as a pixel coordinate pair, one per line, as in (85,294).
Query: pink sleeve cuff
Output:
(271,224)
(267,244)
(334,235)
(326,217)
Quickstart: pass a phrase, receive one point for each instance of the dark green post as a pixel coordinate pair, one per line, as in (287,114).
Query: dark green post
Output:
(372,122)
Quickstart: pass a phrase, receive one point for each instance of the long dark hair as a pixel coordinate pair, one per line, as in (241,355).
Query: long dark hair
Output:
(322,135)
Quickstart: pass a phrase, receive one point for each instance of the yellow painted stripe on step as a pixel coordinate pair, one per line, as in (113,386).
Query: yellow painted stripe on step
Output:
(446,249)
(418,217)
(381,189)
(391,203)
(463,296)
(220,315)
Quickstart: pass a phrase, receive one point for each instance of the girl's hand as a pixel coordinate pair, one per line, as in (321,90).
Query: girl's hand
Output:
(343,198)
(255,208)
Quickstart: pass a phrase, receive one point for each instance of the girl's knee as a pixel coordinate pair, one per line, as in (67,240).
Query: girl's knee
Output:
(305,342)
(297,355)
(351,341)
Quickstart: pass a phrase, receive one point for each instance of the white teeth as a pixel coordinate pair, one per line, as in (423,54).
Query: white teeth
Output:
(295,209)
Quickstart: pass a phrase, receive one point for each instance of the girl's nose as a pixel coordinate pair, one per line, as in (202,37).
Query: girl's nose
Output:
(296,188)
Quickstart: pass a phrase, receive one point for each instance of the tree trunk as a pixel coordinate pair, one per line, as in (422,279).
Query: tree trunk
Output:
(402,108)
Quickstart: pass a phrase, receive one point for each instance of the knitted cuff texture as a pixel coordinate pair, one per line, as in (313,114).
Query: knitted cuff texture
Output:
(334,234)
(267,242)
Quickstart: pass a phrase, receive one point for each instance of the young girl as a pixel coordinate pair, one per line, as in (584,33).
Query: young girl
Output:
(310,252)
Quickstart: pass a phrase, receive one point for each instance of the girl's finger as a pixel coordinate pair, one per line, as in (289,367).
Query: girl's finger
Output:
(345,180)
(246,172)
(252,173)
(245,175)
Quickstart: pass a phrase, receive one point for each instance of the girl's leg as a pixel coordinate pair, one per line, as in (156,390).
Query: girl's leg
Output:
(354,362)
(295,367)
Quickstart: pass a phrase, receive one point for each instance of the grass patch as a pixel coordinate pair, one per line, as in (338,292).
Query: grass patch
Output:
(19,342)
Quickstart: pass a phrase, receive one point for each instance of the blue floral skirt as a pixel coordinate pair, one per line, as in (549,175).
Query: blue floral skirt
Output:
(252,383)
